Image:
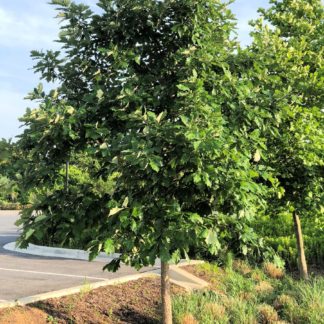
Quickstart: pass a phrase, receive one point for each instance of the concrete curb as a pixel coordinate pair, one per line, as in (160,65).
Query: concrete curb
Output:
(54,252)
(184,263)
(185,279)
(74,290)
(64,253)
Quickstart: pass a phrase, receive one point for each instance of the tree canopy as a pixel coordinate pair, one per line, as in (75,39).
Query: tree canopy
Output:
(149,89)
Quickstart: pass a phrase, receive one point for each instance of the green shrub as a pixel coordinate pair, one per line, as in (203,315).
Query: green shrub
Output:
(278,234)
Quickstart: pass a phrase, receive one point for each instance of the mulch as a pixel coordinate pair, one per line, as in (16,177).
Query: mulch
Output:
(132,302)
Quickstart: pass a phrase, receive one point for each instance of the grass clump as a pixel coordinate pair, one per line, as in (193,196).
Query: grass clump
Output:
(241,311)
(267,314)
(188,319)
(286,306)
(235,283)
(242,267)
(210,268)
(203,306)
(257,275)
(272,271)
(264,287)
(310,298)
(217,312)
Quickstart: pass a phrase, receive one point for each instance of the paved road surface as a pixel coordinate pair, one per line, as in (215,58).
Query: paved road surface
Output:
(23,275)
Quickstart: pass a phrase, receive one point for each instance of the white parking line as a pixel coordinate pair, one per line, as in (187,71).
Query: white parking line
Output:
(53,274)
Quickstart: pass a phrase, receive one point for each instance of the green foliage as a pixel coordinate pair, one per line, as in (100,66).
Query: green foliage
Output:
(146,89)
(285,66)
(192,137)
(290,83)
(7,189)
(67,218)
(277,232)
(10,194)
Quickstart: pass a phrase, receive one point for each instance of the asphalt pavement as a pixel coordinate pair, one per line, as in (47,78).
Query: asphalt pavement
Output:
(23,275)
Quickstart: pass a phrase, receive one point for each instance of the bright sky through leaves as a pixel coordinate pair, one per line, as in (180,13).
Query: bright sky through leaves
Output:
(27,25)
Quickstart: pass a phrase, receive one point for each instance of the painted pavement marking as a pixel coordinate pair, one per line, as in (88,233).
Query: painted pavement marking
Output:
(53,274)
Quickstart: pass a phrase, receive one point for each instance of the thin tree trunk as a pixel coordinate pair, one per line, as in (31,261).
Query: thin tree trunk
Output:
(166,294)
(300,247)
(67,176)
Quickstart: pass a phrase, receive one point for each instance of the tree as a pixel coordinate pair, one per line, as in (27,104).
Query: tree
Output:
(9,174)
(147,89)
(287,68)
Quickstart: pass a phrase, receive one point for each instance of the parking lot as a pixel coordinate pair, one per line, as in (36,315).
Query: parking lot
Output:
(23,275)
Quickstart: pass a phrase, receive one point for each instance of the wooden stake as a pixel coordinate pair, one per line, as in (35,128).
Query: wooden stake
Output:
(300,247)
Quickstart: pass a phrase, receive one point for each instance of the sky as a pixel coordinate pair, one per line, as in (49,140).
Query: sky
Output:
(27,25)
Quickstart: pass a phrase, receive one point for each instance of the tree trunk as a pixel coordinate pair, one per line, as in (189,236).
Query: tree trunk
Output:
(166,294)
(300,247)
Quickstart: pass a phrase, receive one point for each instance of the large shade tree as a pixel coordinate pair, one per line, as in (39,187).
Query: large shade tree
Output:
(148,88)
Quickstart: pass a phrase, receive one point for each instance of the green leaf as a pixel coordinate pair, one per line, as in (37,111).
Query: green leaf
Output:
(29,233)
(138,59)
(40,218)
(213,242)
(154,166)
(109,247)
(161,116)
(70,110)
(212,237)
(257,156)
(133,225)
(125,203)
(113,266)
(196,218)
(197,178)
(99,94)
(103,146)
(185,120)
(182,87)
(114,211)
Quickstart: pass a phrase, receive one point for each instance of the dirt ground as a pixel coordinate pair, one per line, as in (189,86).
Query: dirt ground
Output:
(133,302)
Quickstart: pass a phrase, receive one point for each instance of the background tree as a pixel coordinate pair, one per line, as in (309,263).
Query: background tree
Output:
(9,176)
(287,70)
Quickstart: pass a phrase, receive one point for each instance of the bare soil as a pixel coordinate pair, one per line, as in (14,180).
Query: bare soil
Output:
(132,302)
